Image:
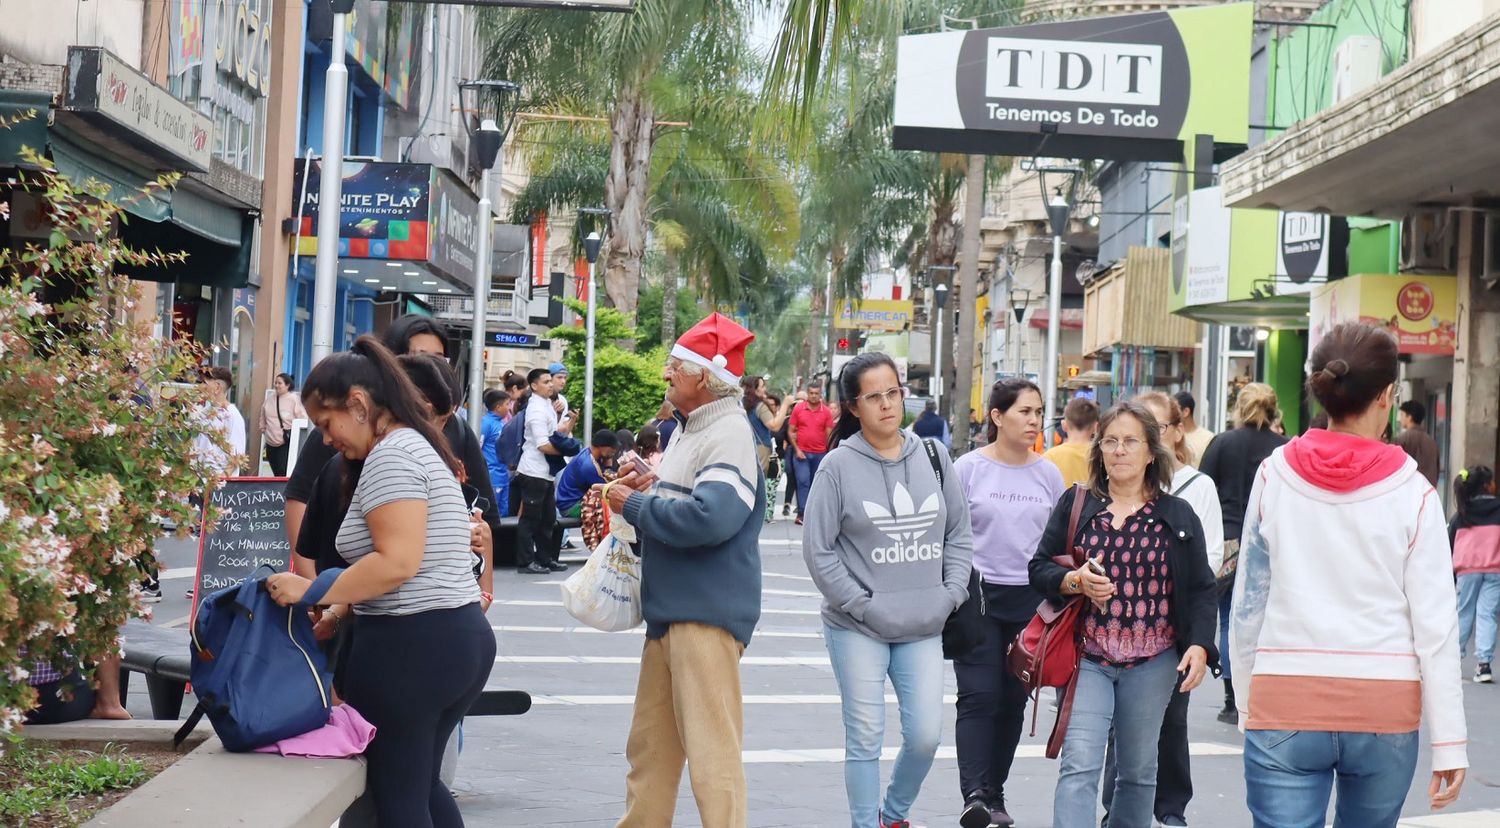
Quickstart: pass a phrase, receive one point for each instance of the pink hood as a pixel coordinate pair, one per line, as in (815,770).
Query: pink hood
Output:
(1342,463)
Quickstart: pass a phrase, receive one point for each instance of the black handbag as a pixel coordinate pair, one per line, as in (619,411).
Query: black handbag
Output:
(964,629)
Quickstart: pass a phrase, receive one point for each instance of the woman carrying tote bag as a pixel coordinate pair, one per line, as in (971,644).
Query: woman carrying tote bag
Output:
(888,544)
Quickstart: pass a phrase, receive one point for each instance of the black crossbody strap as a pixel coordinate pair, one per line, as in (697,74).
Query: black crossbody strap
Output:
(932,456)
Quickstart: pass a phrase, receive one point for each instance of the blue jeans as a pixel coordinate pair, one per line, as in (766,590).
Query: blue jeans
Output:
(1478,595)
(1133,701)
(861,664)
(1289,776)
(805,471)
(1226,602)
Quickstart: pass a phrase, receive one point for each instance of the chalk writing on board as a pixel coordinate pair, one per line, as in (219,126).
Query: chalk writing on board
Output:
(248,535)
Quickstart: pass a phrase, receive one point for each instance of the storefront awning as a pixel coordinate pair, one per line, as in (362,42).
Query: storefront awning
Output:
(111,181)
(26,116)
(1424,135)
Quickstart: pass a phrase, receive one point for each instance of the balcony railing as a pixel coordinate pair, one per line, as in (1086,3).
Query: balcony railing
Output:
(503,307)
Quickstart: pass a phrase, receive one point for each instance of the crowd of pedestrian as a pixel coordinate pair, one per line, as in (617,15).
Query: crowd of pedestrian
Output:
(1317,568)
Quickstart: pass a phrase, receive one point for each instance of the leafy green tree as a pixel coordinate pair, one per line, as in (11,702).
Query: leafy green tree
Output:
(648,315)
(628,386)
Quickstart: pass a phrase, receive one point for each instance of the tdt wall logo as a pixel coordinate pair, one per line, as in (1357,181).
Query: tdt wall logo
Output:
(1095,77)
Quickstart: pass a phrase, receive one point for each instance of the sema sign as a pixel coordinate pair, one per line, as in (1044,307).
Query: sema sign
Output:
(1106,87)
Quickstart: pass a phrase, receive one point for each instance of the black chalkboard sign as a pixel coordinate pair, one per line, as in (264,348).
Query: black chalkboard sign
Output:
(248,534)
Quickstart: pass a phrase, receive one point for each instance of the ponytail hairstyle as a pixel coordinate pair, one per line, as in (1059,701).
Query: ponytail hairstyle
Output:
(854,371)
(428,372)
(1468,484)
(371,366)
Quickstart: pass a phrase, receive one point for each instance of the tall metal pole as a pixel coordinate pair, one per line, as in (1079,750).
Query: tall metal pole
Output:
(1054,325)
(937,360)
(481,306)
(330,191)
(588,359)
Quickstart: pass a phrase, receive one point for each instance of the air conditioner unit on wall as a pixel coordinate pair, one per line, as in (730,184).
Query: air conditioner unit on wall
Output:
(1425,242)
(1357,64)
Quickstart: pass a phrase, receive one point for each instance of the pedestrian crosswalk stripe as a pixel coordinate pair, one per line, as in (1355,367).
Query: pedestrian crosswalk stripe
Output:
(638,631)
(1467,819)
(793,593)
(888,754)
(747,661)
(763,610)
(784,698)
(785,575)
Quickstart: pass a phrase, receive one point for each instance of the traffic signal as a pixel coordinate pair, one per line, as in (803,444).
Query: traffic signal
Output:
(844,343)
(1073,371)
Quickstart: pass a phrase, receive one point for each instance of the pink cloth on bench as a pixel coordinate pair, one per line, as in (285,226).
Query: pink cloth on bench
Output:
(346,734)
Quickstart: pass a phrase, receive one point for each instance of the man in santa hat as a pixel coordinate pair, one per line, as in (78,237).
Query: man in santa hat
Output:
(699,519)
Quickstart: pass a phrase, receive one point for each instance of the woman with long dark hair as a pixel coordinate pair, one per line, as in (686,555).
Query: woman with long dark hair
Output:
(277,415)
(765,420)
(424,650)
(1345,627)
(1010,492)
(1475,535)
(1231,462)
(1149,623)
(887,542)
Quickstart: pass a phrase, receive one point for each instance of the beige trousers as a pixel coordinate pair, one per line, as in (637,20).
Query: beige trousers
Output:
(687,709)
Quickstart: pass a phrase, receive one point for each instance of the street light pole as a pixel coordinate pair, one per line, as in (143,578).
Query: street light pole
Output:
(591,245)
(1057,213)
(331,186)
(481,301)
(485,100)
(940,299)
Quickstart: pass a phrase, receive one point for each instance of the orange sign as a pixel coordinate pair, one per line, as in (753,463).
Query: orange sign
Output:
(1421,311)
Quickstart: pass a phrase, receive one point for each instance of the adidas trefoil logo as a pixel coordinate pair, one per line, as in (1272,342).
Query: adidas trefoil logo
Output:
(904,527)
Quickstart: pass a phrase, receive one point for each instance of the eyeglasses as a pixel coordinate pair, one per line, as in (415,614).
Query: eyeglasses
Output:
(890,396)
(1110,445)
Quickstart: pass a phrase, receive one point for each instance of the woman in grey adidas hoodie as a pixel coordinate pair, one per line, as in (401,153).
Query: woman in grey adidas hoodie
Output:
(887,541)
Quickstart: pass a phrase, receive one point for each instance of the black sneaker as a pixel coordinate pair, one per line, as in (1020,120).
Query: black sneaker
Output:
(976,814)
(556,566)
(1230,716)
(1482,673)
(151,591)
(534,569)
(998,816)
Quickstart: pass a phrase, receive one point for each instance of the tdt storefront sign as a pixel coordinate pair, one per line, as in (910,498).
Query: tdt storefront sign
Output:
(1302,247)
(101,85)
(1106,87)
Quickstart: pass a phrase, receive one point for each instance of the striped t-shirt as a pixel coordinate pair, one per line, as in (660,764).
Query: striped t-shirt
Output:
(402,466)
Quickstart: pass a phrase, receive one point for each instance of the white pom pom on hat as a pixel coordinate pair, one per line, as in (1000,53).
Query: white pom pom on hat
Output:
(720,360)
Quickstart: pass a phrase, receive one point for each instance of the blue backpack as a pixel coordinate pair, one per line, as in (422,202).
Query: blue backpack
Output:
(256,667)
(511,440)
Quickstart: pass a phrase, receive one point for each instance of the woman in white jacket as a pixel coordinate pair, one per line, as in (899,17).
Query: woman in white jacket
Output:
(1344,625)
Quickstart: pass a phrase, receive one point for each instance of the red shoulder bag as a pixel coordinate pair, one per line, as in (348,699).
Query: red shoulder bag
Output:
(1047,652)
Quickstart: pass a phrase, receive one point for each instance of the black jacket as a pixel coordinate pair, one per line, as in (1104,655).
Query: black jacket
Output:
(1195,602)
(1231,461)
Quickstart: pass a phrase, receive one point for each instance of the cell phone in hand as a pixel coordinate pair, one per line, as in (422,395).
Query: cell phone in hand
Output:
(1096,568)
(633,462)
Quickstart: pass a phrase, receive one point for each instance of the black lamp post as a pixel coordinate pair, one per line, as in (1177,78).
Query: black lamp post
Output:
(489,110)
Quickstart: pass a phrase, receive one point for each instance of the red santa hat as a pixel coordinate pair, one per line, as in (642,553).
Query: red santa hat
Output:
(718,344)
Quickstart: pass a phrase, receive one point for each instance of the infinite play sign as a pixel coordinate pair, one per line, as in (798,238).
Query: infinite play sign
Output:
(1118,87)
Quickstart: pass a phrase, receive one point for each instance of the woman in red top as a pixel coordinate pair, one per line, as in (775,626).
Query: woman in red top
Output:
(1150,623)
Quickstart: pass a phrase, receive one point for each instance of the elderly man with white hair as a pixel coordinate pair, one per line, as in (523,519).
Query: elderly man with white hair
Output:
(699,522)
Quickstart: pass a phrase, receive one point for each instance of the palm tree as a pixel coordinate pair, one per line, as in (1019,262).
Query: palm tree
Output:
(635,67)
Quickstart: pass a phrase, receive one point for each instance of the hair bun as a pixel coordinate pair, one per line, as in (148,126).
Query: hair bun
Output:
(1337,368)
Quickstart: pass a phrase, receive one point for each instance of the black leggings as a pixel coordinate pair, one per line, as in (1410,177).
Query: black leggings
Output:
(991,711)
(414,677)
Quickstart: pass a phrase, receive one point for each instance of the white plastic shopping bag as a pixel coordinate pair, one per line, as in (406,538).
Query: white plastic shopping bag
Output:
(606,592)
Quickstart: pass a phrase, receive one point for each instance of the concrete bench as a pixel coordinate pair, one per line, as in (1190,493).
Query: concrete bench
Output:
(212,786)
(161,655)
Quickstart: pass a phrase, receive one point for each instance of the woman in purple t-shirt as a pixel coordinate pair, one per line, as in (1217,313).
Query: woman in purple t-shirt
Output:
(1011,490)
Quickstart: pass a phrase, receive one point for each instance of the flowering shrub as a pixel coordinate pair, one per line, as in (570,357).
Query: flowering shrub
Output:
(90,450)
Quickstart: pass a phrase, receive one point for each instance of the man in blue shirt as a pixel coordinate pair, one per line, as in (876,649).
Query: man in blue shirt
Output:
(584,472)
